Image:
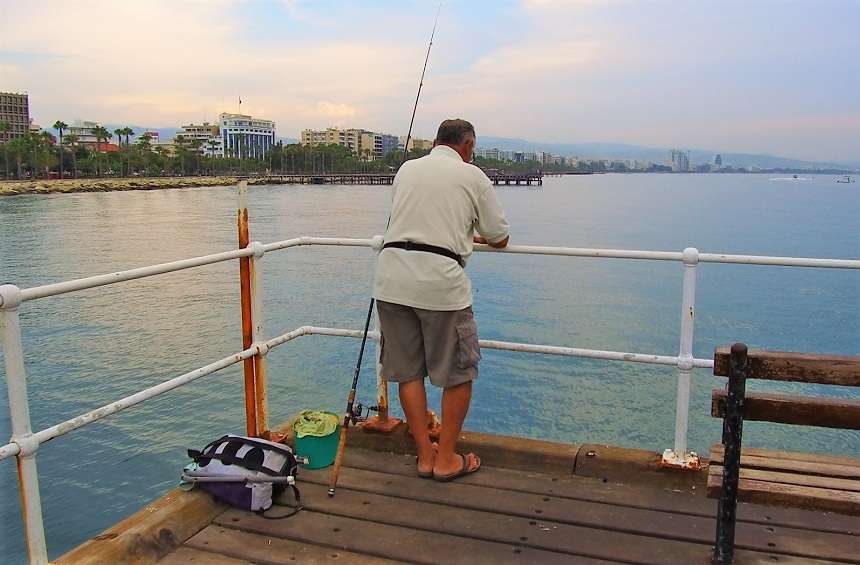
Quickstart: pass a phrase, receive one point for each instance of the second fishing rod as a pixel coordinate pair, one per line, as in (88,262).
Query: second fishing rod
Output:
(349,415)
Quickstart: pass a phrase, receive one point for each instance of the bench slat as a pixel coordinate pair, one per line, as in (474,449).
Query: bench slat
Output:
(840,413)
(806,497)
(816,468)
(794,367)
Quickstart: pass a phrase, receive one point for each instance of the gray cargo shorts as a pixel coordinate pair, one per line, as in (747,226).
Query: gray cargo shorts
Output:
(417,343)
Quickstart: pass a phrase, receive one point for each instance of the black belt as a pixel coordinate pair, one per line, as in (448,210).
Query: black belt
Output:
(412,246)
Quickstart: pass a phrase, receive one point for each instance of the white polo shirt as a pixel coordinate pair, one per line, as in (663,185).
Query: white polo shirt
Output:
(436,200)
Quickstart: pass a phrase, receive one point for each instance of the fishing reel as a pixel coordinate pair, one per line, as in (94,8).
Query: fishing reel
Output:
(361,413)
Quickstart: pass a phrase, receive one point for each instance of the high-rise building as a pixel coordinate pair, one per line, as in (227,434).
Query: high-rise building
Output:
(252,136)
(14,109)
(718,160)
(679,160)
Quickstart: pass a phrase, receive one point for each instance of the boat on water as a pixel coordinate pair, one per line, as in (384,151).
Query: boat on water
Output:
(534,502)
(846,179)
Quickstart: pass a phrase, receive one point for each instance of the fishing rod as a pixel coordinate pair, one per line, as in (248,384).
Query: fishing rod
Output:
(349,414)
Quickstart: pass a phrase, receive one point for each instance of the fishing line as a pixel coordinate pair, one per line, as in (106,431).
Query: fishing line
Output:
(349,415)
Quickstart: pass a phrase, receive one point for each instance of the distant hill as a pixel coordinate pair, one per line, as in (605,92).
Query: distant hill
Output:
(655,155)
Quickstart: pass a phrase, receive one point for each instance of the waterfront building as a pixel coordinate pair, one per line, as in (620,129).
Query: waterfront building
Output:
(15,109)
(254,136)
(346,137)
(83,130)
(414,143)
(487,153)
(362,142)
(378,143)
(718,160)
(202,134)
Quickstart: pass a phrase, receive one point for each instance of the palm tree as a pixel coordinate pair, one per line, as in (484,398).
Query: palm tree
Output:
(72,140)
(5,128)
(59,125)
(19,146)
(100,133)
(119,133)
(144,146)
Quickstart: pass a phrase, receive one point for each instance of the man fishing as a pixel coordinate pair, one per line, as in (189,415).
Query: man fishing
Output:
(424,298)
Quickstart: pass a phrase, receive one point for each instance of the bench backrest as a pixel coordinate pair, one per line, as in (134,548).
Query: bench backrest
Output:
(838,413)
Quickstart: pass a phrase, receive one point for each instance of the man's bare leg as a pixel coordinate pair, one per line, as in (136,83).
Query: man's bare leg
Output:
(413,400)
(455,405)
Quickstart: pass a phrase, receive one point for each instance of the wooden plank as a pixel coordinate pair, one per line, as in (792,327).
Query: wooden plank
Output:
(840,413)
(545,534)
(189,556)
(800,480)
(809,498)
(249,547)
(717,451)
(392,542)
(566,486)
(795,367)
(151,533)
(791,466)
(590,490)
(496,451)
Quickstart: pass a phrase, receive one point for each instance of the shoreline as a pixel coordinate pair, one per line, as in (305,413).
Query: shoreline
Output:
(51,186)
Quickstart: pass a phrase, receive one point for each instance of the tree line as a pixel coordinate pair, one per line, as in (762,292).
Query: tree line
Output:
(44,155)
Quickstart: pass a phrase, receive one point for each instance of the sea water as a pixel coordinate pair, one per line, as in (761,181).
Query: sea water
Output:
(86,349)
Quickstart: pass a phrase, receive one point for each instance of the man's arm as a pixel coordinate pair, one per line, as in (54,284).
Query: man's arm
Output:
(499,244)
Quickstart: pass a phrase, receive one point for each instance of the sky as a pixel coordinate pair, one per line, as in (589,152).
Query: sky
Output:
(778,77)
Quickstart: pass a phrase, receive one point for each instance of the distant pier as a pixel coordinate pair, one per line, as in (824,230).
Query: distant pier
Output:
(497,178)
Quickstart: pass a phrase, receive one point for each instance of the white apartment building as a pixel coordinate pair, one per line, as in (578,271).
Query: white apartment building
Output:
(253,136)
(83,130)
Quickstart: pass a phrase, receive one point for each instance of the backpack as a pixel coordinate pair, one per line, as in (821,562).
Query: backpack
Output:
(262,469)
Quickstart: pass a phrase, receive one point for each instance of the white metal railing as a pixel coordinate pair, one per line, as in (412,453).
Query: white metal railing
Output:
(25,443)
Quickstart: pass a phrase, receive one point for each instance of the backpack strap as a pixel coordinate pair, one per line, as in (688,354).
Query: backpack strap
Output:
(295,511)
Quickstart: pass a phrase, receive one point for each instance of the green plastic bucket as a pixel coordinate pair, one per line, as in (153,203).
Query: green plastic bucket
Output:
(320,451)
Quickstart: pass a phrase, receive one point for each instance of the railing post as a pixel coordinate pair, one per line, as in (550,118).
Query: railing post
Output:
(22,432)
(247,322)
(732,438)
(679,457)
(258,335)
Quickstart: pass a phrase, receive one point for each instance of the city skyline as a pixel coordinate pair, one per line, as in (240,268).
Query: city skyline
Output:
(759,77)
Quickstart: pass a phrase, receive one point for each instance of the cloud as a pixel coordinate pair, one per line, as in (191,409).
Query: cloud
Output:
(334,110)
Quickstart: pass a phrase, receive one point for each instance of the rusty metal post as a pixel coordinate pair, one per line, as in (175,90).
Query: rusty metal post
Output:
(259,339)
(732,437)
(247,322)
(22,432)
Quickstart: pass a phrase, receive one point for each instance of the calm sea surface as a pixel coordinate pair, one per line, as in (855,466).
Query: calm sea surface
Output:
(86,349)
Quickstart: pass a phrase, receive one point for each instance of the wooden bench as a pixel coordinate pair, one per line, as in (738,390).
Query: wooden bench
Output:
(814,482)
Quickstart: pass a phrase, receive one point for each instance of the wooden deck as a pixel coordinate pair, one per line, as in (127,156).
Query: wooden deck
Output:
(531,503)
(383,514)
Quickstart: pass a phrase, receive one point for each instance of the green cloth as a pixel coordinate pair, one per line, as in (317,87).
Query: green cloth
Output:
(317,424)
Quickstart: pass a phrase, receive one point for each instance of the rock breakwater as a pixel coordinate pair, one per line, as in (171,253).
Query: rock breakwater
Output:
(12,188)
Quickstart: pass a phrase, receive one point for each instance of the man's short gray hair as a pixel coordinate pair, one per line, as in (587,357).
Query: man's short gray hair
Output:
(454,132)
